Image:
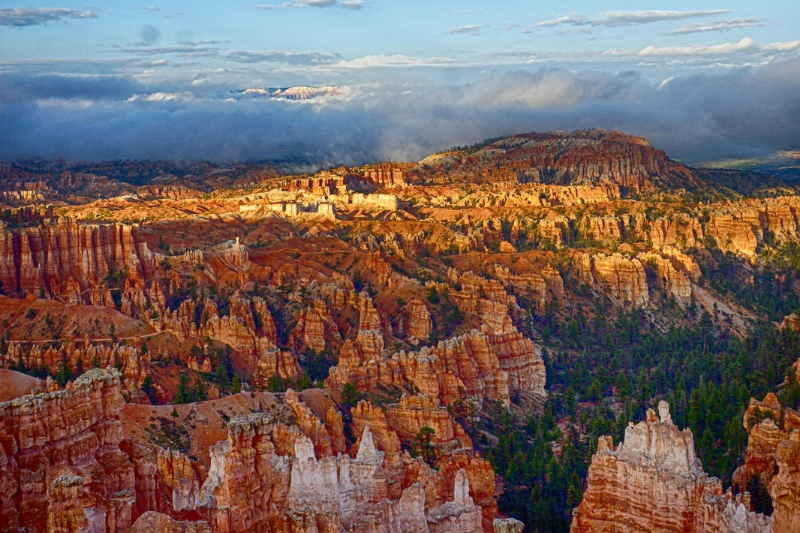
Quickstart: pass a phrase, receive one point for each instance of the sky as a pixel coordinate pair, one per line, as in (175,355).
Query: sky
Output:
(120,80)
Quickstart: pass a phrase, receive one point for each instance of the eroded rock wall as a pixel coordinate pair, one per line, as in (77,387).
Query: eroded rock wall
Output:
(62,467)
(60,252)
(654,482)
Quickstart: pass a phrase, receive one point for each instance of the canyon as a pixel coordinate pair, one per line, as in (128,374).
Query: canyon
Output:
(653,481)
(447,345)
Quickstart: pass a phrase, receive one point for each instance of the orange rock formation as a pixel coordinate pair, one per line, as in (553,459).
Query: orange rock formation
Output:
(654,482)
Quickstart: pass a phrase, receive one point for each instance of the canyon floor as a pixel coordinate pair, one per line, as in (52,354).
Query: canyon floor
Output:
(550,332)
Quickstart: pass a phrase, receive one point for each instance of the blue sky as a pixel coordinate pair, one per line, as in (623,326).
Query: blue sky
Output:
(478,68)
(448,34)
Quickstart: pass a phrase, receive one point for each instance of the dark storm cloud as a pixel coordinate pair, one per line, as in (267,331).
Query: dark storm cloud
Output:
(22,17)
(700,117)
(27,88)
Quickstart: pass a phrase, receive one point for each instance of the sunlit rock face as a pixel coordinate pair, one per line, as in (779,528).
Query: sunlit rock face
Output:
(62,467)
(622,163)
(479,363)
(251,486)
(618,275)
(653,481)
(60,254)
(773,455)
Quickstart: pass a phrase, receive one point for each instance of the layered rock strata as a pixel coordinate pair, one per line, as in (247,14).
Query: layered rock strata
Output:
(479,364)
(252,485)
(654,482)
(619,276)
(773,455)
(62,467)
(61,251)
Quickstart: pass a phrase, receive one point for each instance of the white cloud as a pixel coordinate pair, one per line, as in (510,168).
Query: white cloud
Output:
(745,45)
(473,29)
(694,117)
(627,18)
(396,60)
(631,18)
(352,4)
(720,25)
(301,4)
(22,17)
(281,56)
(573,19)
(665,82)
(788,46)
(192,50)
(204,42)
(185,96)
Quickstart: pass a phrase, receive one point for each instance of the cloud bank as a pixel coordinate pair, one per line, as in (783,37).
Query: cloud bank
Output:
(352,5)
(694,117)
(627,18)
(718,26)
(22,17)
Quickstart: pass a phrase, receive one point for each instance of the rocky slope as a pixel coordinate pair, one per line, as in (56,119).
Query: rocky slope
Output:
(481,364)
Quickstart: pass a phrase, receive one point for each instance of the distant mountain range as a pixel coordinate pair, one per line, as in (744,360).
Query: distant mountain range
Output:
(291,93)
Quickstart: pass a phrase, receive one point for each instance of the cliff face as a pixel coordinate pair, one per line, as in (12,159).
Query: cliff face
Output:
(479,363)
(61,251)
(418,325)
(62,468)
(413,413)
(767,424)
(773,454)
(618,276)
(670,275)
(128,359)
(253,485)
(785,486)
(152,522)
(653,482)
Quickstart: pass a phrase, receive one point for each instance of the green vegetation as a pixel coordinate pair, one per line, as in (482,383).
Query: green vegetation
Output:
(317,364)
(190,392)
(148,388)
(351,396)
(606,369)
(767,291)
(447,315)
(423,446)
(169,434)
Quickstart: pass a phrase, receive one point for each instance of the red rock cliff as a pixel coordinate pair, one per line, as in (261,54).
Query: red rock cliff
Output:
(654,482)
(61,251)
(62,468)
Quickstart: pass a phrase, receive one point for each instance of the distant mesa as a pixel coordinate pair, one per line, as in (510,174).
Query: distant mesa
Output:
(595,158)
(291,93)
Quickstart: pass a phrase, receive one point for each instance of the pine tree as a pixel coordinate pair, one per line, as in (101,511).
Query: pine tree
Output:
(183,393)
